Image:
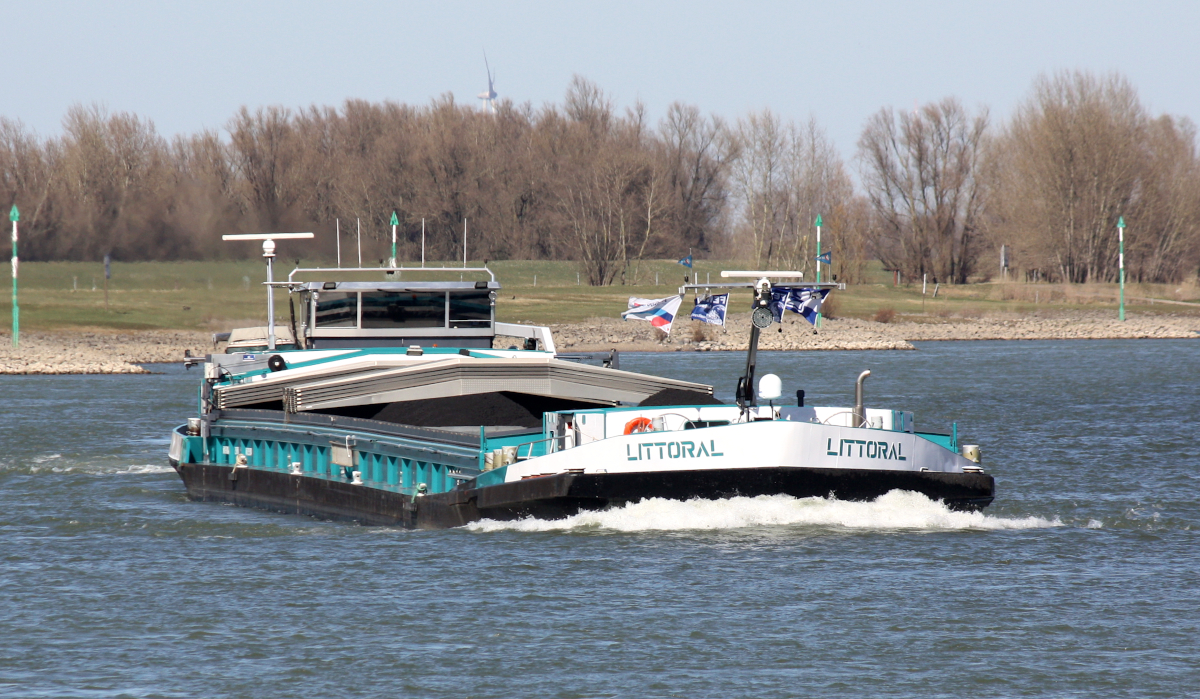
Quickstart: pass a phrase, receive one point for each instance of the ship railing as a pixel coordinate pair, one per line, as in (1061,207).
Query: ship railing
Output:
(529,454)
(300,270)
(689,423)
(682,426)
(851,413)
(560,447)
(871,423)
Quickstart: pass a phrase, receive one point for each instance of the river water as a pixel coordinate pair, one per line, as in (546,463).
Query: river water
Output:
(1083,579)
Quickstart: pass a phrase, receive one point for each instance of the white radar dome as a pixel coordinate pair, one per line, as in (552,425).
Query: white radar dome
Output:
(770,387)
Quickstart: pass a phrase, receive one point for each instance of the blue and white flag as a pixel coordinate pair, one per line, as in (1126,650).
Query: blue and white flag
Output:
(807,302)
(711,309)
(779,301)
(686,261)
(660,312)
(823,257)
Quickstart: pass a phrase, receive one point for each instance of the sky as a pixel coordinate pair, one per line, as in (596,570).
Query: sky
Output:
(189,66)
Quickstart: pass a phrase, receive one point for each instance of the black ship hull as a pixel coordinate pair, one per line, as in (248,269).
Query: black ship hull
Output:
(561,495)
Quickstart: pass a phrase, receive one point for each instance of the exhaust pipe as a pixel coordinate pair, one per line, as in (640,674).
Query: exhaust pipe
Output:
(860,413)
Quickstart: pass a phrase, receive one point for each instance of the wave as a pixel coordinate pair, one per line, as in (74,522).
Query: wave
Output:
(144,468)
(897,510)
(55,463)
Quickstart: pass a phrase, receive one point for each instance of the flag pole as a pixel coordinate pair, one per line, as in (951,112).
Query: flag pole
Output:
(818,223)
(1121,260)
(15,216)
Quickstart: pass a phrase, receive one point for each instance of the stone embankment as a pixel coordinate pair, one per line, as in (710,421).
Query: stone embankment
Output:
(855,334)
(97,352)
(100,352)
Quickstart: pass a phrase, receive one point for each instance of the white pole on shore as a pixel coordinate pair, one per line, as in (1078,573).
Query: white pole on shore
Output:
(1121,237)
(818,225)
(337,224)
(464,242)
(269,253)
(422,242)
(268,248)
(358,224)
(15,216)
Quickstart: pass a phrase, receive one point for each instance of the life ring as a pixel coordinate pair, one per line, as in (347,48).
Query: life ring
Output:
(639,424)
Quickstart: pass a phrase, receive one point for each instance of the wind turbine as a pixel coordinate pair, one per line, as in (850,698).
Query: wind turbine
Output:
(489,97)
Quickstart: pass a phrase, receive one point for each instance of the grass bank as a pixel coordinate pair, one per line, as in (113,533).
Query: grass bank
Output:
(213,296)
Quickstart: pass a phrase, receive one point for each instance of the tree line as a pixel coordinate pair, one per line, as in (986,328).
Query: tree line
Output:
(940,189)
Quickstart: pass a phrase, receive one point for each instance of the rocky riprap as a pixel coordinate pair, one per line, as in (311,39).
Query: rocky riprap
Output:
(97,352)
(600,334)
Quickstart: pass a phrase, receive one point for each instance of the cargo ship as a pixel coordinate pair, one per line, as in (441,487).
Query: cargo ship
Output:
(406,403)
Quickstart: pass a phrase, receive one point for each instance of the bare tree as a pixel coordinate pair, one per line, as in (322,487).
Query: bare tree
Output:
(818,186)
(116,182)
(578,182)
(1073,153)
(697,154)
(760,177)
(1166,241)
(27,177)
(784,177)
(608,192)
(266,156)
(919,172)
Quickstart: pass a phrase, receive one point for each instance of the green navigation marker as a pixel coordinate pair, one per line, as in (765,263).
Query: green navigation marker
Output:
(395,222)
(14,215)
(818,223)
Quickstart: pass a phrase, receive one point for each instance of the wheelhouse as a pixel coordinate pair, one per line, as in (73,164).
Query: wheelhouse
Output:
(397,314)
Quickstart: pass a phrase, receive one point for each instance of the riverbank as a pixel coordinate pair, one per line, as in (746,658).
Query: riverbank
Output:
(101,352)
(98,351)
(857,334)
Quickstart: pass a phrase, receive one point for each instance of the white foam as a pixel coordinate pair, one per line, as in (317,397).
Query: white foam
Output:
(99,469)
(147,468)
(897,510)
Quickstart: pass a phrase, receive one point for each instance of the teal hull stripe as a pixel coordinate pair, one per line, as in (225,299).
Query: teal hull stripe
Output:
(399,465)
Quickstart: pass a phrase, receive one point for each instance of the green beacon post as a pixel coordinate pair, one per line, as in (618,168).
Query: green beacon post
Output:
(395,222)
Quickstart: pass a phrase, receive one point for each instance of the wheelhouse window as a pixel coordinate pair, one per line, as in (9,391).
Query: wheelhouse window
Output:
(470,309)
(337,309)
(404,309)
